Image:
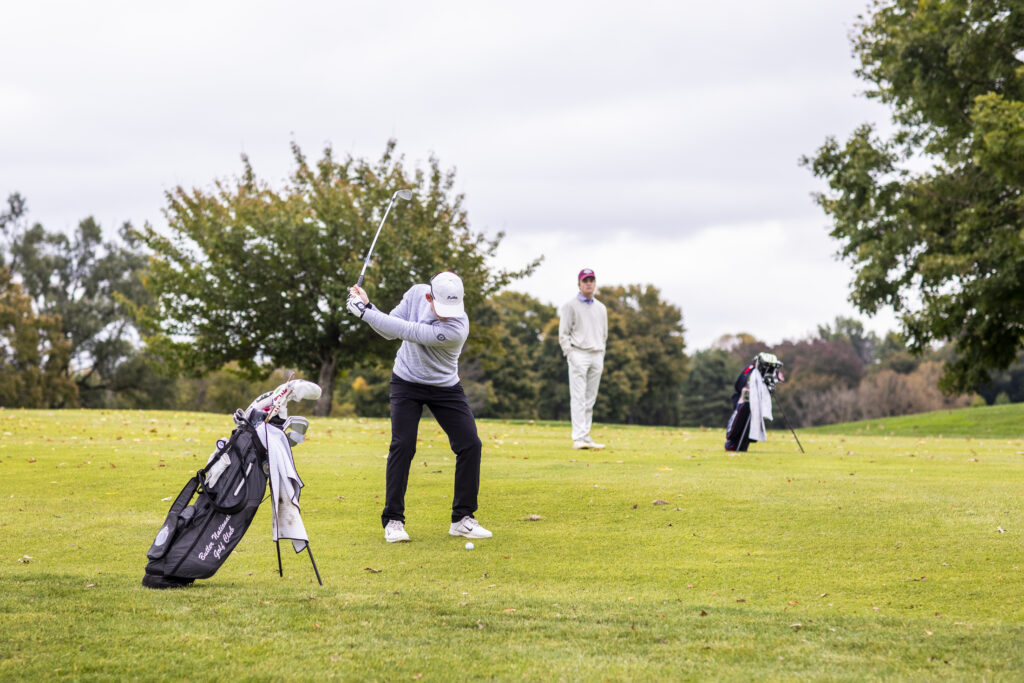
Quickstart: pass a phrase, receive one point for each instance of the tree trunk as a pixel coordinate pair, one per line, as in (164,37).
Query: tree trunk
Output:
(328,373)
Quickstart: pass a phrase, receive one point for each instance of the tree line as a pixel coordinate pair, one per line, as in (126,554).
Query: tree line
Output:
(77,329)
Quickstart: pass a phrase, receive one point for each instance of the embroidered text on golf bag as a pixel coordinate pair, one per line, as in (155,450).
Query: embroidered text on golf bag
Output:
(195,540)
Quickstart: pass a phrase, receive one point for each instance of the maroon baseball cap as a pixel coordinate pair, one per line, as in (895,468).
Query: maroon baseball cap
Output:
(586,272)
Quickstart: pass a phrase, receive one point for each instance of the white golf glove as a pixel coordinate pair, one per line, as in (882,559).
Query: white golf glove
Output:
(356,306)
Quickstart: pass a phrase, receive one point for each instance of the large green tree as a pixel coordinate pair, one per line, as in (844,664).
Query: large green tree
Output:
(260,276)
(931,216)
(505,343)
(644,364)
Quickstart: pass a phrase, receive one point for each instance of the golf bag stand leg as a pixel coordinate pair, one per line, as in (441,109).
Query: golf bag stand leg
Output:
(315,570)
(783,413)
(277,543)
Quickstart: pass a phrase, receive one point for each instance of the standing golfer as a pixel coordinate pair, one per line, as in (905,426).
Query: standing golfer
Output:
(582,333)
(432,324)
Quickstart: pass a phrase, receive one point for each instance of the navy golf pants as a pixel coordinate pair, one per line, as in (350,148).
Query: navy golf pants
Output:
(451,410)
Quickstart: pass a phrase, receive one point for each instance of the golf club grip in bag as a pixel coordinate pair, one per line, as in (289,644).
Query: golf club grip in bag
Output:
(195,540)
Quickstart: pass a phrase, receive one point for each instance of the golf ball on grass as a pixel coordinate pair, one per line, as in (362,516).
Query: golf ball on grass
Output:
(469,545)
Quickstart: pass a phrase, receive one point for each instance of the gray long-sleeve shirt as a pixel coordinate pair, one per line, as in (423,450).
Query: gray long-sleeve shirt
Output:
(430,347)
(583,326)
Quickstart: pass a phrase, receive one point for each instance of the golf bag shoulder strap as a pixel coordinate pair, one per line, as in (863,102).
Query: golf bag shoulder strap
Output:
(186,494)
(246,453)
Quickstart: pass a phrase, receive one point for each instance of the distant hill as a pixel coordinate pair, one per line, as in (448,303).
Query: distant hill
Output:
(1001,422)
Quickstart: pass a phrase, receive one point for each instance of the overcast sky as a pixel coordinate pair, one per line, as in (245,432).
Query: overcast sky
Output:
(655,142)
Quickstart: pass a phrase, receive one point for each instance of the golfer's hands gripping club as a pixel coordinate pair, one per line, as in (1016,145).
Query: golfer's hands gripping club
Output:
(357,302)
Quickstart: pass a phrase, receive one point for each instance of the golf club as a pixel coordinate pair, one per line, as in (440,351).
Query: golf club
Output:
(400,194)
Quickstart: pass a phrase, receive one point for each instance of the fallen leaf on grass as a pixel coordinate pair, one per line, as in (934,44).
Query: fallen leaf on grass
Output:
(659,501)
(374,571)
(703,613)
(1000,529)
(796,627)
(510,610)
(928,633)
(31,459)
(532,518)
(25,559)
(793,602)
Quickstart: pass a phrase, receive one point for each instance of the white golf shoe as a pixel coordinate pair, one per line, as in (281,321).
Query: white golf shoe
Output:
(591,444)
(470,528)
(580,444)
(395,532)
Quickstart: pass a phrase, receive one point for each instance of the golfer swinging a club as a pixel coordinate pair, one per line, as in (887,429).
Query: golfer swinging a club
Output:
(432,324)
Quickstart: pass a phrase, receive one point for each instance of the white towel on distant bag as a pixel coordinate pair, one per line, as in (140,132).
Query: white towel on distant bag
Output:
(760,406)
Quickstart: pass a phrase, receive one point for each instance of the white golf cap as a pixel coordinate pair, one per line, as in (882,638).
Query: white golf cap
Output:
(447,292)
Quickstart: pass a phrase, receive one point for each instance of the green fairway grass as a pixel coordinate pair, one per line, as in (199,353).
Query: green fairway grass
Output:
(872,556)
(1006,421)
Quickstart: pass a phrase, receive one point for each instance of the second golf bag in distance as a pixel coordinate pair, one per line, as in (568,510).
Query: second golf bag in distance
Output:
(752,402)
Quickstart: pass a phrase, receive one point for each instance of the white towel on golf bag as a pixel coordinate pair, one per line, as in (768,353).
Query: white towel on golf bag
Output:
(760,406)
(285,486)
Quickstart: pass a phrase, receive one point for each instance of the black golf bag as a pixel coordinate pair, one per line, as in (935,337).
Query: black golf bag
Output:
(737,430)
(196,539)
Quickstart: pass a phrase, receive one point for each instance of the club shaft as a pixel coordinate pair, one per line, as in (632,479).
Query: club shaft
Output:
(366,262)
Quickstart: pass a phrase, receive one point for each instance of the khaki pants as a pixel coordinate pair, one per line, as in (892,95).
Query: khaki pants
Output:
(584,377)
